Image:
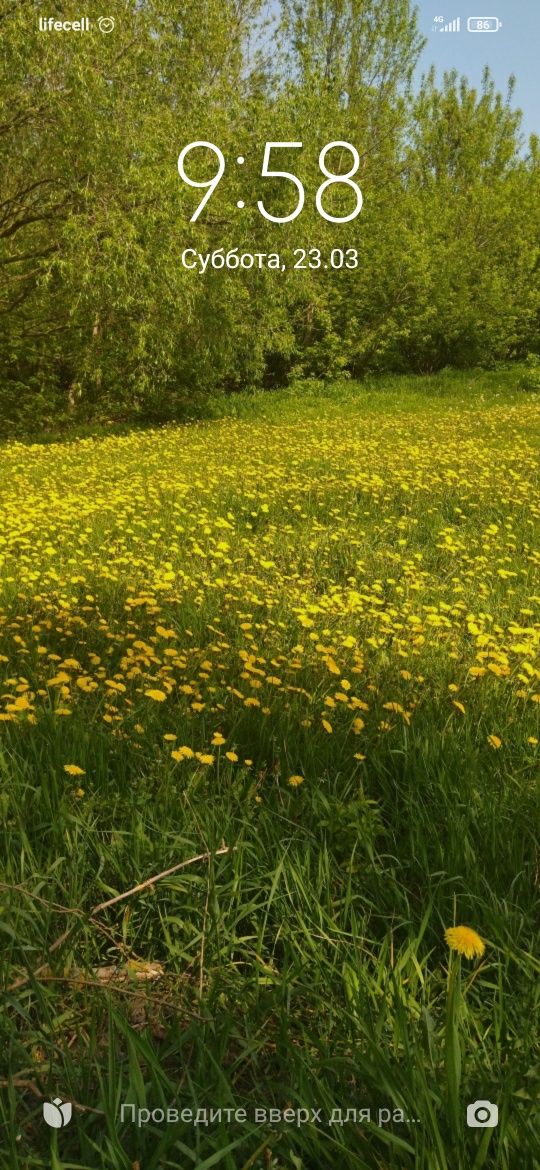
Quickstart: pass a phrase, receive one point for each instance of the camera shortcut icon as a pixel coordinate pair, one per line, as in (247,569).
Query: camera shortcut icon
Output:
(482,1115)
(106,24)
(56,1113)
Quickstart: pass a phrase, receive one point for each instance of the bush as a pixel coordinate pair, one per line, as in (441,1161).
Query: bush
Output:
(530,378)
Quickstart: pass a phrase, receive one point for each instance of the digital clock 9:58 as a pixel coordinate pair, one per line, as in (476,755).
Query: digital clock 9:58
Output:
(269,172)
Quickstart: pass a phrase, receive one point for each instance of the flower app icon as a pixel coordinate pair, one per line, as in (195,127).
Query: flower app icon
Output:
(56,1113)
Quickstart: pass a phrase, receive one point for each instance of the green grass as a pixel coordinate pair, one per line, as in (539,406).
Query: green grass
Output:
(303,962)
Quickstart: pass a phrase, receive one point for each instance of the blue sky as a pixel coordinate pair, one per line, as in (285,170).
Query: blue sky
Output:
(515,48)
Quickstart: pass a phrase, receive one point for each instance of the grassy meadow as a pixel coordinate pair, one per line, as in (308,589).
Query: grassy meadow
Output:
(294,646)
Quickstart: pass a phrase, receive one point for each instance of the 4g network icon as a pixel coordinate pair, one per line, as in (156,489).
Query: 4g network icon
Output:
(56,1113)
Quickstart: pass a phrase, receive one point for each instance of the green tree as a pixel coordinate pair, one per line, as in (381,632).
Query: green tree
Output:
(98,318)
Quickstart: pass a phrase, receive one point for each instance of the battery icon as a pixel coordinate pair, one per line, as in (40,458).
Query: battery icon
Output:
(483,24)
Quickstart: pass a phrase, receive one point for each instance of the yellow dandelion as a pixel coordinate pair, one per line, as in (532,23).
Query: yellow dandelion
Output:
(465,941)
(494,741)
(204,758)
(157,696)
(74,770)
(183,753)
(295,781)
(163,633)
(217,739)
(20,704)
(232,756)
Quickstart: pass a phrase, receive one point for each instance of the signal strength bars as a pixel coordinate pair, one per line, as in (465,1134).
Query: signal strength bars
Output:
(452,26)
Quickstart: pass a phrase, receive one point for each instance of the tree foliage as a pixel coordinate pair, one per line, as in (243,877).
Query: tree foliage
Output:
(98,317)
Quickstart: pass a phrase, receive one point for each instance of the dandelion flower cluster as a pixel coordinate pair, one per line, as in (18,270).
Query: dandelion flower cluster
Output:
(238,588)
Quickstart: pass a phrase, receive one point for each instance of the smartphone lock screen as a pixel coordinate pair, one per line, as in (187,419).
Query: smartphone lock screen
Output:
(269,585)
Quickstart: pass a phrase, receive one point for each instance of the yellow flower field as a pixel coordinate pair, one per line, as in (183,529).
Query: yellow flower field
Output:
(323,576)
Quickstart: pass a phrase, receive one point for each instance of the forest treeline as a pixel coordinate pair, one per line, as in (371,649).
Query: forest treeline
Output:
(98,317)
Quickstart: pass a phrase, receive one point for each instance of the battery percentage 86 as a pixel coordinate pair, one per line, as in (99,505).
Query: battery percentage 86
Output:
(483,24)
